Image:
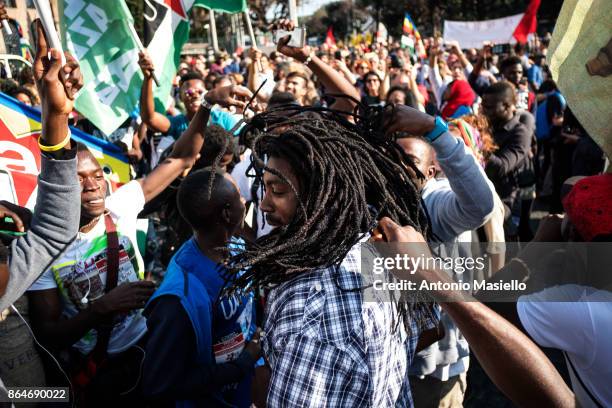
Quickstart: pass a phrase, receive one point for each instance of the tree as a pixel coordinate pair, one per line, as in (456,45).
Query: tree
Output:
(340,15)
(137,9)
(264,12)
(429,15)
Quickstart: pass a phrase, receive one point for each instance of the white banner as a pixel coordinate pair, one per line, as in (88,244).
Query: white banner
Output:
(471,34)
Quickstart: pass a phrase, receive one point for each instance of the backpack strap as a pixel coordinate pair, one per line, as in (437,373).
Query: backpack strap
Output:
(112,275)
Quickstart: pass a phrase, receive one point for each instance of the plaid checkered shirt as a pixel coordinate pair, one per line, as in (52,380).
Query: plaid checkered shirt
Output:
(329,347)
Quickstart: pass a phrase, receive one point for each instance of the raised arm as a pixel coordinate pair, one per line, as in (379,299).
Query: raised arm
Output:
(470,200)
(56,216)
(456,49)
(333,81)
(514,363)
(154,120)
(188,146)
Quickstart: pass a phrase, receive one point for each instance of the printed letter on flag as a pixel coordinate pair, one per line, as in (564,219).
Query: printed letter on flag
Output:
(96,32)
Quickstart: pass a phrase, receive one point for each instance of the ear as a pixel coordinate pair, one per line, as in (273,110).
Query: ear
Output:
(431,172)
(226,216)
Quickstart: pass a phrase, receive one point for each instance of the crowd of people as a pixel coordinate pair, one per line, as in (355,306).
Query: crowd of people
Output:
(263,181)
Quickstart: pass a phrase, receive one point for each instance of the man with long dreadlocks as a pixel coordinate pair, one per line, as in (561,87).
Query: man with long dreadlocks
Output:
(326,182)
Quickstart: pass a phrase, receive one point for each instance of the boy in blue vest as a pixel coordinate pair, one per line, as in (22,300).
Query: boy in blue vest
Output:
(202,347)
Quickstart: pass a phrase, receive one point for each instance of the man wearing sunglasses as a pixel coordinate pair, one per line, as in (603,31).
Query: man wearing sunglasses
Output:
(191,91)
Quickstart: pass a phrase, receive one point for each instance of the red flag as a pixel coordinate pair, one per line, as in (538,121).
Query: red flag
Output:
(330,41)
(528,23)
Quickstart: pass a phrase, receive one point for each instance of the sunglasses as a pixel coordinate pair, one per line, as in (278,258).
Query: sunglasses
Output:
(194,92)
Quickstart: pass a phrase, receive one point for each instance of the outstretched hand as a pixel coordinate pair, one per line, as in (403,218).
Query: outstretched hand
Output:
(299,53)
(226,96)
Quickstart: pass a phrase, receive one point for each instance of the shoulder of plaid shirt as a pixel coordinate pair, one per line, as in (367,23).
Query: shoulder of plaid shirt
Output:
(327,346)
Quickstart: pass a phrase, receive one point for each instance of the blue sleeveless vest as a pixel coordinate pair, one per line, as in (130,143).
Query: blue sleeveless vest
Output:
(193,278)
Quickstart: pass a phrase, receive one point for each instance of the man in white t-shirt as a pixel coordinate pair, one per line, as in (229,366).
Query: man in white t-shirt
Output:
(579,322)
(69,301)
(575,315)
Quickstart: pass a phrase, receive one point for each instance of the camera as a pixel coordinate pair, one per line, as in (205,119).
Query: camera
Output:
(298,36)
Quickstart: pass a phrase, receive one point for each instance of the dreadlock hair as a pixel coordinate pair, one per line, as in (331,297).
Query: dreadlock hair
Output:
(349,177)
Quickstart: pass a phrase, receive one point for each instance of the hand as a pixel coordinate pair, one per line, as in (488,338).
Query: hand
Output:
(570,138)
(146,64)
(403,241)
(134,155)
(226,96)
(549,229)
(125,297)
(454,47)
(57,85)
(21,216)
(253,347)
(254,54)
(406,119)
(388,231)
(3,13)
(300,54)
(341,65)
(487,51)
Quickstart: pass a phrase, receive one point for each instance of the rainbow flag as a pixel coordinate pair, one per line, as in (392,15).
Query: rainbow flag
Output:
(20,127)
(410,27)
(410,31)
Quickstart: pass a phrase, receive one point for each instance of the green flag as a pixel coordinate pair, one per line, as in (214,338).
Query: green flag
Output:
(226,6)
(96,32)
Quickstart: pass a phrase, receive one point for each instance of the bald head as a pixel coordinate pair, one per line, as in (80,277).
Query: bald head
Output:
(421,152)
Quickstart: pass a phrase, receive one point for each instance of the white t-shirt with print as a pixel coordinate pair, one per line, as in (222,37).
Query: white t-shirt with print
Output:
(81,270)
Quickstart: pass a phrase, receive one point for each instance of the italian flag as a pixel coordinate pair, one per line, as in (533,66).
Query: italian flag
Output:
(167,29)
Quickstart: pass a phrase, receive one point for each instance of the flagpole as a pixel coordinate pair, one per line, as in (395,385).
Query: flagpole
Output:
(293,12)
(7,27)
(250,29)
(142,49)
(252,35)
(43,8)
(213,31)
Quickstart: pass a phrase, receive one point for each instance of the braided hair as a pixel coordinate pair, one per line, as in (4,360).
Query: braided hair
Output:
(349,174)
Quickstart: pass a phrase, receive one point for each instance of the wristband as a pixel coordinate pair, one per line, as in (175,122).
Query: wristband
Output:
(440,127)
(308,60)
(57,147)
(206,104)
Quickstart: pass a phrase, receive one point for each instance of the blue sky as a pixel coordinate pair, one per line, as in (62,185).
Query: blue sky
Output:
(311,6)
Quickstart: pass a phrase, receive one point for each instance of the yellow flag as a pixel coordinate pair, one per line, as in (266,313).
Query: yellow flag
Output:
(580,57)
